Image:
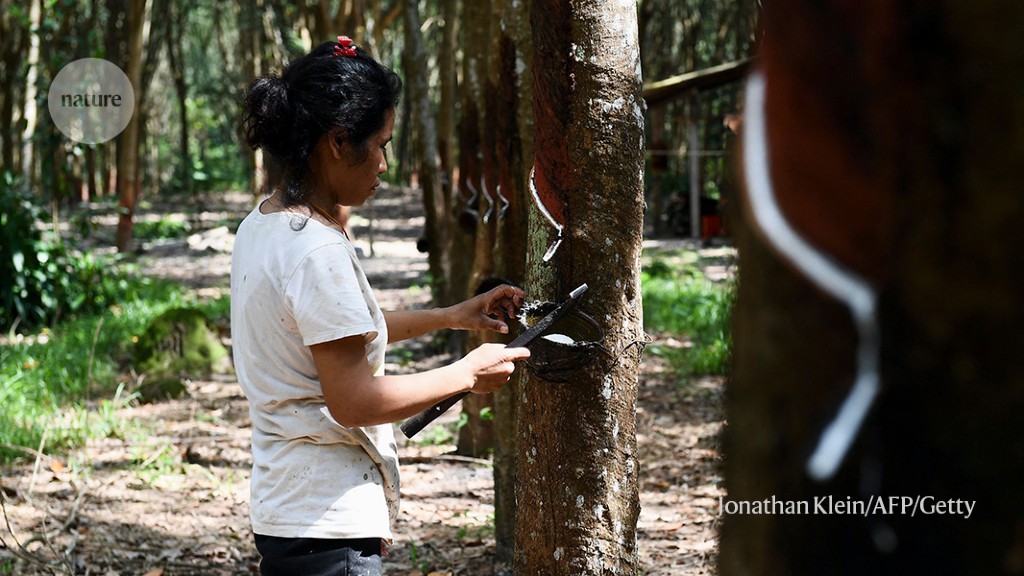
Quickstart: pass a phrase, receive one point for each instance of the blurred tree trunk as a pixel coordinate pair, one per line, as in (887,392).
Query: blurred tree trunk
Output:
(501,227)
(487,178)
(13,37)
(128,183)
(454,289)
(515,152)
(576,451)
(894,132)
(422,114)
(251,58)
(29,115)
(158,32)
(503,133)
(446,118)
(382,20)
(354,19)
(115,49)
(345,19)
(477,436)
(92,190)
(177,19)
(466,200)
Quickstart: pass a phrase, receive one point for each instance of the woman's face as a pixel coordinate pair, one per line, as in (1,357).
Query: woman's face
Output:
(353,183)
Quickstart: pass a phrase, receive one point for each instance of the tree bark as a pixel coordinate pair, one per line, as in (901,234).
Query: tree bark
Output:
(426,144)
(249,41)
(915,103)
(477,436)
(516,94)
(128,183)
(448,101)
(454,289)
(11,37)
(175,53)
(29,108)
(577,464)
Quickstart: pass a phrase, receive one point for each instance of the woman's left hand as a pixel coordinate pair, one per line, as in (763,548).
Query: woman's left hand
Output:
(484,312)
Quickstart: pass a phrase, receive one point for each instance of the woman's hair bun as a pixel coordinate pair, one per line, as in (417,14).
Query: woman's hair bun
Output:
(265,110)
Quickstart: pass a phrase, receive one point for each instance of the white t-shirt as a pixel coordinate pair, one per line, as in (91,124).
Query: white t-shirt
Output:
(295,283)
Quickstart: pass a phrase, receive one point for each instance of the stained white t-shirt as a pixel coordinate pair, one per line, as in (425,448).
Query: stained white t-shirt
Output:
(296,283)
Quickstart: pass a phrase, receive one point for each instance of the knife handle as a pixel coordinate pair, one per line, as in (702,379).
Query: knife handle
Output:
(418,422)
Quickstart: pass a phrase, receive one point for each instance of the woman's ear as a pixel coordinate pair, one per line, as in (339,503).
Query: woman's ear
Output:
(337,142)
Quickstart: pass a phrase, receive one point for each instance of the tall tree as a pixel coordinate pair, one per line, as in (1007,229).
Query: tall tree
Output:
(30,107)
(14,38)
(250,40)
(514,115)
(477,436)
(426,139)
(577,462)
(129,183)
(332,19)
(177,20)
(469,202)
(447,103)
(883,140)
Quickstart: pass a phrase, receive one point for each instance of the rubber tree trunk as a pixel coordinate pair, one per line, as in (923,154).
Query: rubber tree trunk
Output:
(30,112)
(576,449)
(463,234)
(501,229)
(262,171)
(448,81)
(514,47)
(426,144)
(129,184)
(476,181)
(15,37)
(175,55)
(894,132)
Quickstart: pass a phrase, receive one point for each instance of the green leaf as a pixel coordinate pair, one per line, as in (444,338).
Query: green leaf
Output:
(486,413)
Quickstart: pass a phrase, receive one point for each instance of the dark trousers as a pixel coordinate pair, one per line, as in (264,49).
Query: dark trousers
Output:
(319,557)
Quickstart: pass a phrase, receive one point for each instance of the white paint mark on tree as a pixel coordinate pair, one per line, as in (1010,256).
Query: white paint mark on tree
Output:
(547,216)
(830,276)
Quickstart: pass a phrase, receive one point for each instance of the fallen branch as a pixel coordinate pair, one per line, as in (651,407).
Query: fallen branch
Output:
(20,549)
(446,458)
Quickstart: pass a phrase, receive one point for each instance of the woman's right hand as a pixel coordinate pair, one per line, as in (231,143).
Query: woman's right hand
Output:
(490,366)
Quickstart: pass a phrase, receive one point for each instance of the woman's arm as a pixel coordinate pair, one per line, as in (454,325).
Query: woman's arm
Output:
(405,324)
(355,397)
(473,314)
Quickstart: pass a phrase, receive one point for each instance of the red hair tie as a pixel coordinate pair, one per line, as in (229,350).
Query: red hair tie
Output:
(345,47)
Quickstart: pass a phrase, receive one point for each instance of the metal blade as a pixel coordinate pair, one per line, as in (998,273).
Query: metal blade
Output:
(530,334)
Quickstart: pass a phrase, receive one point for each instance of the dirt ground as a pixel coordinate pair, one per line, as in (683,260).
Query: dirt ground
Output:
(169,495)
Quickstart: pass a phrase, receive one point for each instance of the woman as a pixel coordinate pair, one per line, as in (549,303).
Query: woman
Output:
(308,336)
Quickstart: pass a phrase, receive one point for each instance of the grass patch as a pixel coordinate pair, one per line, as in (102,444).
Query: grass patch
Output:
(161,229)
(65,383)
(679,299)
